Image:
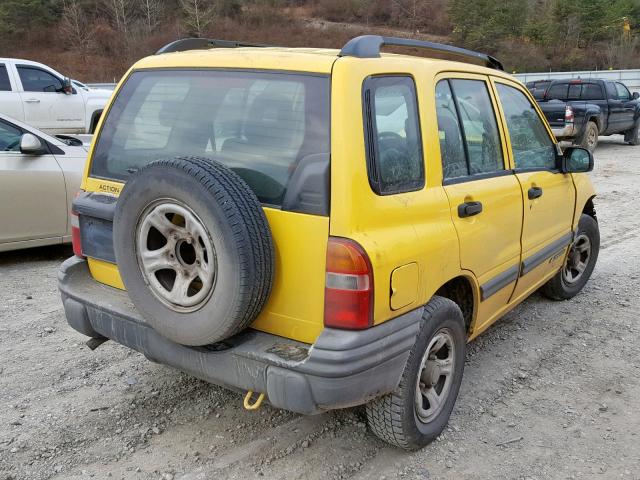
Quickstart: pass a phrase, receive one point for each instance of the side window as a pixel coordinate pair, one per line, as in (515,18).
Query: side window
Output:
(37,80)
(479,126)
(469,138)
(591,91)
(623,93)
(558,91)
(394,146)
(452,151)
(9,137)
(531,144)
(5,85)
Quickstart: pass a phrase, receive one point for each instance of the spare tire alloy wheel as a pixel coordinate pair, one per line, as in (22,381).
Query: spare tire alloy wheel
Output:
(176,255)
(194,249)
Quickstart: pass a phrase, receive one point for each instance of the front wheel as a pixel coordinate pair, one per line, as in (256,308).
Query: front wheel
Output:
(579,264)
(632,136)
(418,410)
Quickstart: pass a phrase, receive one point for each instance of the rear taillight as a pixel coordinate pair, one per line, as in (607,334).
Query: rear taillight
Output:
(568,114)
(348,296)
(75,232)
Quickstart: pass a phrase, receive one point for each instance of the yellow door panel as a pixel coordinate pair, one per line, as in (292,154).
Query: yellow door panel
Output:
(549,216)
(295,308)
(490,240)
(404,286)
(549,196)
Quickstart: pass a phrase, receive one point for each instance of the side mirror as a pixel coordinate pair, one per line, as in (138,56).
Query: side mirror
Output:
(30,144)
(67,88)
(636,95)
(577,160)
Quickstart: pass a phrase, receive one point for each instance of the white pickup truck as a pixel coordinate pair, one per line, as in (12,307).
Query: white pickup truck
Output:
(38,95)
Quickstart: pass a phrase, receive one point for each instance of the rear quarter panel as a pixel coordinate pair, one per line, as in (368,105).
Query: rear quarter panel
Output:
(395,230)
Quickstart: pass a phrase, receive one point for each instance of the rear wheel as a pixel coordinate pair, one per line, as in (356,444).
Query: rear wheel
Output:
(589,138)
(418,410)
(579,264)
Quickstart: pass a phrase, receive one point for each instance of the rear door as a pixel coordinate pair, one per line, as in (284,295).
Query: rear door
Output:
(33,198)
(10,101)
(46,106)
(549,196)
(484,195)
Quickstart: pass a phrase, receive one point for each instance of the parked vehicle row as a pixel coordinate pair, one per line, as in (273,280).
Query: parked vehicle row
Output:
(39,177)
(581,110)
(324,229)
(40,96)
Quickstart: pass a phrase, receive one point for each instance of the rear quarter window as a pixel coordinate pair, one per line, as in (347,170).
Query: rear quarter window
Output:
(261,125)
(392,135)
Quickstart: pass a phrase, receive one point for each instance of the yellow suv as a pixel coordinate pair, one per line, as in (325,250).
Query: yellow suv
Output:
(323,228)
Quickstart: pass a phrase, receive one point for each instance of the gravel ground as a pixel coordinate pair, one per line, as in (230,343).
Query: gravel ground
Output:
(550,391)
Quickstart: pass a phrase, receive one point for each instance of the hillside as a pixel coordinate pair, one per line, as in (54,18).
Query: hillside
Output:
(97,40)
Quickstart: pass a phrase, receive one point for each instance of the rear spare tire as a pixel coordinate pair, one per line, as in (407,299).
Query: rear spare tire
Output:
(193,248)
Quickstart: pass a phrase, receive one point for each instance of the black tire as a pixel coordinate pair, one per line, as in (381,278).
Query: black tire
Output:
(560,287)
(589,139)
(232,239)
(632,136)
(94,122)
(394,417)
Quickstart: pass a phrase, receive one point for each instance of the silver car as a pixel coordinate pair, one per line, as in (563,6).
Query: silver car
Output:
(39,177)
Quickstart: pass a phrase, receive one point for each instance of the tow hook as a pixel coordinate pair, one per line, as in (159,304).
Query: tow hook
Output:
(255,405)
(95,342)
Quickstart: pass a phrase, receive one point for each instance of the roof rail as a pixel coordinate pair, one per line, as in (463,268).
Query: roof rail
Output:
(368,46)
(202,44)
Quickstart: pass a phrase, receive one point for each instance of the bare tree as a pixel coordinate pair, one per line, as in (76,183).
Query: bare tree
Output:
(408,12)
(151,12)
(121,12)
(198,14)
(74,25)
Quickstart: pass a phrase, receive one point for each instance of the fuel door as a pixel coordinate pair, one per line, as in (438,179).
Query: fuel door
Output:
(404,286)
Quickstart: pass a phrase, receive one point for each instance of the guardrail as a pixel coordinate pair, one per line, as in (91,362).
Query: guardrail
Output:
(631,78)
(103,86)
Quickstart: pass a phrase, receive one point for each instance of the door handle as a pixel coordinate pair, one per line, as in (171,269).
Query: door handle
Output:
(535,192)
(469,209)
(32,100)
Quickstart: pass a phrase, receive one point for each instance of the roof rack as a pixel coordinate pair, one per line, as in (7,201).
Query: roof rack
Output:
(368,46)
(202,44)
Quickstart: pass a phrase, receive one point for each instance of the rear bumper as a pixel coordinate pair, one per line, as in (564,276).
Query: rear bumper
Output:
(569,130)
(342,369)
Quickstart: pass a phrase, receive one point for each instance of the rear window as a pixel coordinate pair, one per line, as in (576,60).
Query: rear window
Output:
(264,126)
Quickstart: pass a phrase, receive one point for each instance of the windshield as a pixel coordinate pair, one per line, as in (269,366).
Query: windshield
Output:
(261,125)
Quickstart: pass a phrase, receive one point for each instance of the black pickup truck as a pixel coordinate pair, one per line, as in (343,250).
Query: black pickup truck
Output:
(580,110)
